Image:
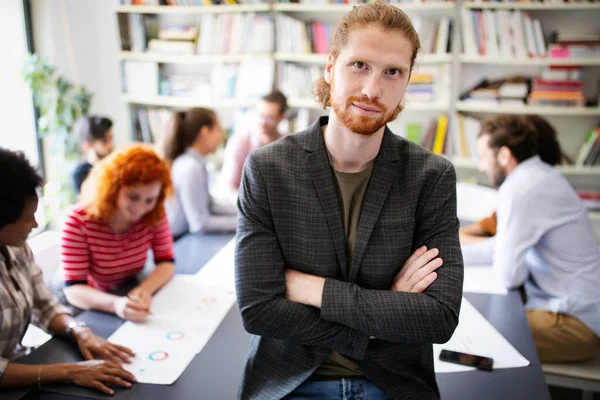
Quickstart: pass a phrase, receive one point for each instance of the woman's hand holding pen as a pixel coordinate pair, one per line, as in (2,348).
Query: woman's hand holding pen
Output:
(135,306)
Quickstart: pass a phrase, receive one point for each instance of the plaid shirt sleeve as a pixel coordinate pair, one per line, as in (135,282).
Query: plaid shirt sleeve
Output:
(45,306)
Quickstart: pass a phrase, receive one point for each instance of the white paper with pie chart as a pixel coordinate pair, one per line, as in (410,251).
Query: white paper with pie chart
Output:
(163,349)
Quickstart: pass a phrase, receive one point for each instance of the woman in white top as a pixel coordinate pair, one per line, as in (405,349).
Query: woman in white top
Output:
(190,137)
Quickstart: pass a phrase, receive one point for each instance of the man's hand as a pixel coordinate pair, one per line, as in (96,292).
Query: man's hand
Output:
(93,346)
(418,271)
(304,288)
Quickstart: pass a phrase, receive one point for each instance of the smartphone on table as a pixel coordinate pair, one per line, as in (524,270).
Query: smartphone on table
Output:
(469,360)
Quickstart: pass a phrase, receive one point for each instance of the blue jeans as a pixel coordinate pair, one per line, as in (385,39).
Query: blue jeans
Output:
(342,389)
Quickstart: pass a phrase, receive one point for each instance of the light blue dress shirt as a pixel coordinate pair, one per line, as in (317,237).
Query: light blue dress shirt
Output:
(191,209)
(545,241)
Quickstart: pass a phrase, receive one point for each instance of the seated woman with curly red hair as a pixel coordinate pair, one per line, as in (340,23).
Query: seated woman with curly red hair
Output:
(106,237)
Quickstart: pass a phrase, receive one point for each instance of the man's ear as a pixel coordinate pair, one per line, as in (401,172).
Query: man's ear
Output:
(328,73)
(504,157)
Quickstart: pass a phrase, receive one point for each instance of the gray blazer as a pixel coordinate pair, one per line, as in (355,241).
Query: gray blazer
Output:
(290,217)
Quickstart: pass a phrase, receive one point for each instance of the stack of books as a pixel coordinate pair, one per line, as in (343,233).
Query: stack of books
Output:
(421,86)
(574,46)
(511,90)
(558,86)
(177,39)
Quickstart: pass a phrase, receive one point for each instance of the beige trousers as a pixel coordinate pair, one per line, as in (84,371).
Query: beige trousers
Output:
(560,337)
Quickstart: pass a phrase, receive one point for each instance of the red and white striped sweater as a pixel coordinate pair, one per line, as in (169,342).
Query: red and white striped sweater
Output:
(92,252)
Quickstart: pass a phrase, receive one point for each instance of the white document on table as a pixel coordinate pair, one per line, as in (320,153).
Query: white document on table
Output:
(163,349)
(220,270)
(185,314)
(482,279)
(475,335)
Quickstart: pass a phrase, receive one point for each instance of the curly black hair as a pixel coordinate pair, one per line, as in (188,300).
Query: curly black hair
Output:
(19,181)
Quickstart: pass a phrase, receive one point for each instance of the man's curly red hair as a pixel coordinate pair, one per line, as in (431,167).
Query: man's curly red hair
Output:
(131,166)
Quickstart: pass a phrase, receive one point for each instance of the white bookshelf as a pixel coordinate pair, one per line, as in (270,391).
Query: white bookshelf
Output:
(186,102)
(191,59)
(280,7)
(331,13)
(476,59)
(473,107)
(532,6)
(187,10)
(343,8)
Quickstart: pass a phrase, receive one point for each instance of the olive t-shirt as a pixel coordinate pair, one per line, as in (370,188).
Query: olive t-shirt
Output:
(352,187)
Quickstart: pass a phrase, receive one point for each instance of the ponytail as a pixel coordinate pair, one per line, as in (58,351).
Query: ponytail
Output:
(182,130)
(170,145)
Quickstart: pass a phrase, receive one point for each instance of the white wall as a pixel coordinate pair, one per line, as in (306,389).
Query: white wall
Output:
(18,127)
(95,44)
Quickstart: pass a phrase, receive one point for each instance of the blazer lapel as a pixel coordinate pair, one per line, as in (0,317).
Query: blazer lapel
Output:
(323,179)
(383,176)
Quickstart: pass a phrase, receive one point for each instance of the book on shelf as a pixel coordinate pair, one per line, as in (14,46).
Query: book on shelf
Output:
(463,136)
(151,123)
(179,33)
(144,125)
(574,45)
(136,30)
(226,33)
(433,136)
(172,47)
(422,85)
(558,86)
(435,35)
(236,33)
(511,90)
(502,33)
(566,73)
(301,37)
(589,151)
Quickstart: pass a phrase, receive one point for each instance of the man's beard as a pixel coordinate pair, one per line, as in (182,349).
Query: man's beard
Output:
(498,175)
(362,124)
